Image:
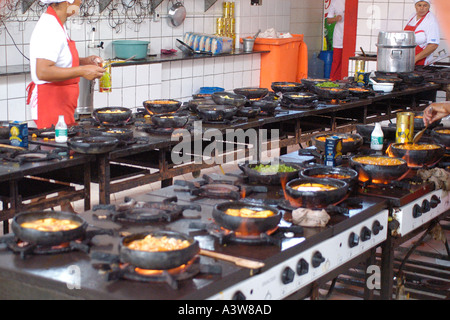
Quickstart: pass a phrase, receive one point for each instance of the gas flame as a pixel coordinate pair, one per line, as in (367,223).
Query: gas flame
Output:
(150,272)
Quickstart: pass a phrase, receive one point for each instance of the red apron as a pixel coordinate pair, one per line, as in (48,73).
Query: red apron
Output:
(414,28)
(57,98)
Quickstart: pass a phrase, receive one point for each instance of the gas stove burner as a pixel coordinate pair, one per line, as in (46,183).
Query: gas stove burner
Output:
(32,156)
(25,249)
(146,212)
(272,237)
(404,184)
(115,270)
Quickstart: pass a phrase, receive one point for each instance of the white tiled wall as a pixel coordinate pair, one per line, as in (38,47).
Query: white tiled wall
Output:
(134,84)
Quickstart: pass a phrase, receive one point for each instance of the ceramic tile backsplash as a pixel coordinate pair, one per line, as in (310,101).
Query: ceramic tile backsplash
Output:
(133,84)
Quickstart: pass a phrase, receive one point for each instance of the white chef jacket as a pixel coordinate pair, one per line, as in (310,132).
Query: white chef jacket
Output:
(427,32)
(49,41)
(337,7)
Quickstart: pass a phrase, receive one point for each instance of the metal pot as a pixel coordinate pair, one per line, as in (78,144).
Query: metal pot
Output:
(176,13)
(396,51)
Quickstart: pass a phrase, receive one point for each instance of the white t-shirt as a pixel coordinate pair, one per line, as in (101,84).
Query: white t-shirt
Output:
(337,7)
(427,32)
(49,41)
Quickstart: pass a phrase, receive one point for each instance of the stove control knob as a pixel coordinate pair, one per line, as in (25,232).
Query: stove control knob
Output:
(376,227)
(287,276)
(426,206)
(434,201)
(353,240)
(302,267)
(365,234)
(417,211)
(317,259)
(238,295)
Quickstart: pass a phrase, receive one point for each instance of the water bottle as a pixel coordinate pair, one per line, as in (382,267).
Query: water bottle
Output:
(61,130)
(377,138)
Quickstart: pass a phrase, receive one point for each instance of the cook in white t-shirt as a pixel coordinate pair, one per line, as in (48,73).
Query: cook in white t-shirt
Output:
(336,13)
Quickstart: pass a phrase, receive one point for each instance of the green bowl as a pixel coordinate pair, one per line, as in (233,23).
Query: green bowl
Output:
(125,49)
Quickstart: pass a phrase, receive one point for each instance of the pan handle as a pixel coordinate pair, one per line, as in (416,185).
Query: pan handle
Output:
(240,262)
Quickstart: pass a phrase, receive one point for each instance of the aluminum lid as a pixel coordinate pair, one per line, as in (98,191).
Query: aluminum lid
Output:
(396,39)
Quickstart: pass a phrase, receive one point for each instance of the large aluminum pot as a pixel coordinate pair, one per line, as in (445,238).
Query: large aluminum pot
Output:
(396,51)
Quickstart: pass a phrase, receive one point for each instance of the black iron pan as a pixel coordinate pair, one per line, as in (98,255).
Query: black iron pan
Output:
(347,174)
(93,145)
(418,158)
(161,260)
(216,112)
(441,136)
(251,225)
(316,199)
(252,93)
(43,237)
(161,106)
(112,115)
(270,179)
(378,172)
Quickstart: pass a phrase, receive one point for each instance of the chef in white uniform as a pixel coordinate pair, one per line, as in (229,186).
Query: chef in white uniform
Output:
(426,28)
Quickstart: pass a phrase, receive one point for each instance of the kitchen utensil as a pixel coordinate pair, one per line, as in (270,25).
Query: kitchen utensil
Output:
(126,49)
(341,173)
(7,146)
(419,134)
(316,198)
(158,260)
(176,13)
(441,135)
(170,120)
(254,226)
(93,145)
(286,87)
(189,50)
(112,115)
(383,87)
(46,237)
(396,51)
(378,172)
(350,142)
(161,106)
(272,178)
(248,44)
(252,93)
(240,262)
(257,34)
(229,98)
(415,157)
(216,112)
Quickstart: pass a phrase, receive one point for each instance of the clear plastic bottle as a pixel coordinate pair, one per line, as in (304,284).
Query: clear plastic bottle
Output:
(377,138)
(61,130)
